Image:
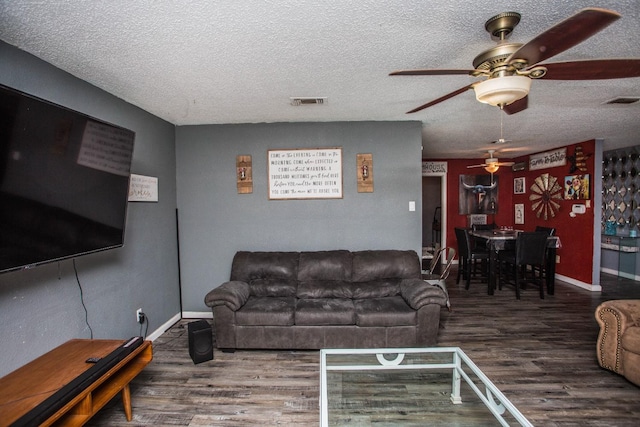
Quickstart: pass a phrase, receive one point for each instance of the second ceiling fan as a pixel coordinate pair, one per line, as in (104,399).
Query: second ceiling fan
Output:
(491,164)
(509,68)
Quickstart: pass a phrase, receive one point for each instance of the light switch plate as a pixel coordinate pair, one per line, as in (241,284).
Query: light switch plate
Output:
(412,206)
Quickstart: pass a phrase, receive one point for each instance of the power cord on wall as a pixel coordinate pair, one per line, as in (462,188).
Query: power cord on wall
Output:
(144,320)
(86,313)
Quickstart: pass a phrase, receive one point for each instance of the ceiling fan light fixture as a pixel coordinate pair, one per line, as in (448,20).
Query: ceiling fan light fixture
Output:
(502,91)
(491,168)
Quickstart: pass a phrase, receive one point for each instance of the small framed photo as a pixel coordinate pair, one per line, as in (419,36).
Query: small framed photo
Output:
(519,213)
(518,185)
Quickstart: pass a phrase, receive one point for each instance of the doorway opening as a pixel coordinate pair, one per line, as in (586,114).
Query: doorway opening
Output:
(434,215)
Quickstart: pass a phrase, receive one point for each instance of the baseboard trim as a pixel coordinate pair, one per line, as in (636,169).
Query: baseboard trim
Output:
(578,283)
(163,328)
(175,319)
(197,314)
(620,274)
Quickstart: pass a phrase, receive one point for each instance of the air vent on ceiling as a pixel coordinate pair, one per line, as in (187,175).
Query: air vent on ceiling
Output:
(624,100)
(299,100)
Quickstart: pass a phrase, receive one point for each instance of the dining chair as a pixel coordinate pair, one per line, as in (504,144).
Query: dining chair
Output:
(468,255)
(550,232)
(439,279)
(491,226)
(530,250)
(451,254)
(437,254)
(475,241)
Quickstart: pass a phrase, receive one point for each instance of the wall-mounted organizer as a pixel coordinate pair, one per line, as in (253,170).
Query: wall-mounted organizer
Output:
(621,190)
(244,175)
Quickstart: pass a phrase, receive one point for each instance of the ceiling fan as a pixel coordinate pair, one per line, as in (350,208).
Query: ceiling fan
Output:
(509,68)
(491,164)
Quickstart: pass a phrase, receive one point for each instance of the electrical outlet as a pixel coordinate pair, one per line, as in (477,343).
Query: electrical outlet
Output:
(557,259)
(139,317)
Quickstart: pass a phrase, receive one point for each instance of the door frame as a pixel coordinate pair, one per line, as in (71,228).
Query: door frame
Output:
(443,207)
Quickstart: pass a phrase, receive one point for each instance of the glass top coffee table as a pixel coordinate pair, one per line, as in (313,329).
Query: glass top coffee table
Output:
(409,386)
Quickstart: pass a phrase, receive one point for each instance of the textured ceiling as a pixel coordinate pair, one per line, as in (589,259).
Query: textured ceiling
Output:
(229,61)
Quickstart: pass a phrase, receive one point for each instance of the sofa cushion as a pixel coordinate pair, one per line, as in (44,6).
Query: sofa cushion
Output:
(325,265)
(385,264)
(325,311)
(267,311)
(273,287)
(248,266)
(376,288)
(390,311)
(325,289)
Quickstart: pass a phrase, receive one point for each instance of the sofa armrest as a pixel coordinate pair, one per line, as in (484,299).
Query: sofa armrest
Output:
(614,318)
(417,293)
(234,294)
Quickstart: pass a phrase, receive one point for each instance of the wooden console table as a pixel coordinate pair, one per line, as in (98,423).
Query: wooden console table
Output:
(30,385)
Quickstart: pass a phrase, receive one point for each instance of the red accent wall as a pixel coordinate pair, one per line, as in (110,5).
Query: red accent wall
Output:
(576,234)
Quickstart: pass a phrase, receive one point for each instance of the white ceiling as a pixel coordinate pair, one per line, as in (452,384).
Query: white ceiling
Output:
(231,61)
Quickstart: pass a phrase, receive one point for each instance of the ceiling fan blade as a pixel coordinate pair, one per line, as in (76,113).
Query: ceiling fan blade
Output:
(477,166)
(504,164)
(517,106)
(434,72)
(442,98)
(595,69)
(564,35)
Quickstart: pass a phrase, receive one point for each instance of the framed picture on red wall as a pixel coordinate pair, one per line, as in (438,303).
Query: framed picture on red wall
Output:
(576,187)
(519,213)
(518,185)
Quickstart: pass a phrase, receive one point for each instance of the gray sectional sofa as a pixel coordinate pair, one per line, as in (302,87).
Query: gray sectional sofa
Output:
(326,299)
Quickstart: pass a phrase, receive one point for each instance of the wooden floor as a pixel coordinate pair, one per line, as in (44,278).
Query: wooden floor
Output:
(540,354)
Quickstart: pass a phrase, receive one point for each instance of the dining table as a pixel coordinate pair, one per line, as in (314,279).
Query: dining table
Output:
(498,240)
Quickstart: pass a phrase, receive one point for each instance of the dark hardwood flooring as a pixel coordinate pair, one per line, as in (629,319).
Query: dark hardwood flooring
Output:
(540,354)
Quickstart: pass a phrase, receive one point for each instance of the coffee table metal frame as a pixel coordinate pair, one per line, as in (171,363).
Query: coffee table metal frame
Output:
(493,398)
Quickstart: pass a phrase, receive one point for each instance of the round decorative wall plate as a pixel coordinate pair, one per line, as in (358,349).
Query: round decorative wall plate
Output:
(546,191)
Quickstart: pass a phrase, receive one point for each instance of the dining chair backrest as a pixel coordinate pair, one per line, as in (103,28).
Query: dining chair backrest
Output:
(491,226)
(531,248)
(464,243)
(549,230)
(436,259)
(451,254)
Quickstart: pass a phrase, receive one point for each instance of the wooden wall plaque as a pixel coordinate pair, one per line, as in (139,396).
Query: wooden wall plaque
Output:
(364,164)
(244,175)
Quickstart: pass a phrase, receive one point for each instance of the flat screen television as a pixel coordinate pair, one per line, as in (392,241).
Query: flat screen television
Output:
(64,182)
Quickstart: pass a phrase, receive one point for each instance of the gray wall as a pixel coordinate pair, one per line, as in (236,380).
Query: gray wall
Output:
(215,221)
(41,308)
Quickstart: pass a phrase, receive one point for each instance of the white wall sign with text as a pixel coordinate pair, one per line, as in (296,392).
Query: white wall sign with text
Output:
(305,173)
(550,159)
(429,167)
(143,188)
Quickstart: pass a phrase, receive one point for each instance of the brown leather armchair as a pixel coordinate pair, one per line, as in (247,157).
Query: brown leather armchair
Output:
(618,346)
